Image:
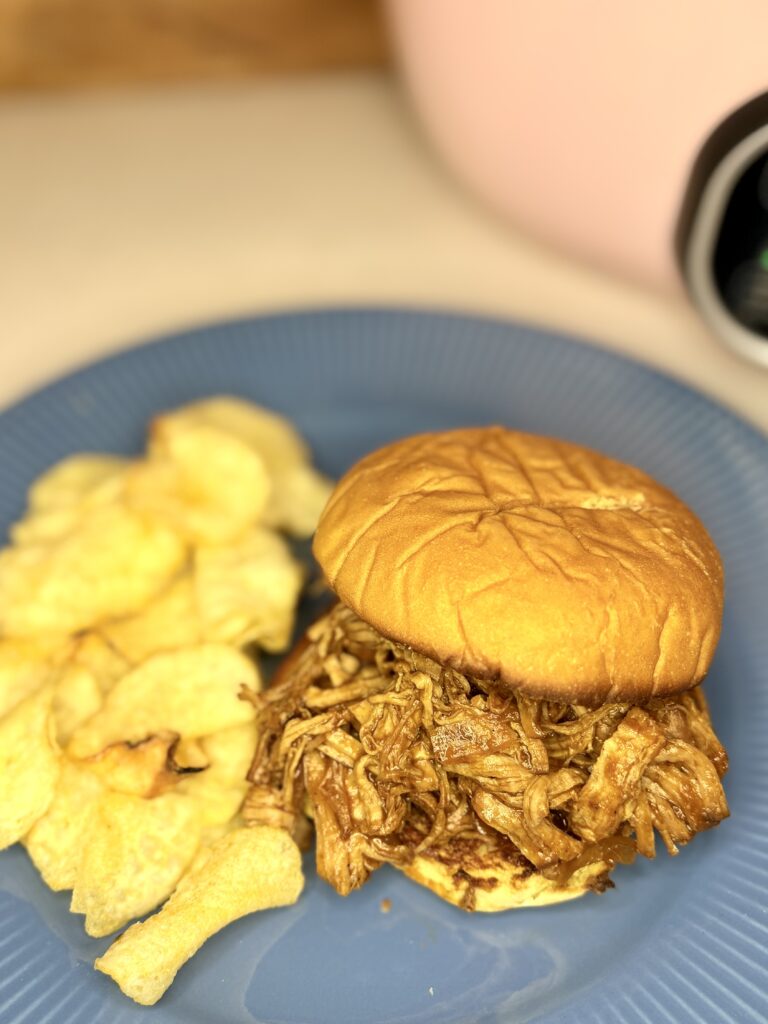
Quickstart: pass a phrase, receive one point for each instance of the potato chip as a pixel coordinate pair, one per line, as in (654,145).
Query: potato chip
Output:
(221,788)
(300,495)
(86,672)
(299,492)
(203,483)
(24,668)
(265,431)
(137,850)
(76,697)
(76,479)
(29,765)
(218,801)
(94,653)
(247,591)
(189,753)
(56,840)
(193,692)
(170,620)
(210,835)
(44,527)
(127,592)
(63,495)
(246,870)
(145,769)
(229,752)
(109,564)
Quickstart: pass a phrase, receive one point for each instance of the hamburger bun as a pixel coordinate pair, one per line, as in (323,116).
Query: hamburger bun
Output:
(549,567)
(499,885)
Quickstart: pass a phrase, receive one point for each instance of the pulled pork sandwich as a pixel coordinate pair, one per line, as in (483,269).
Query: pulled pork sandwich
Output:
(504,703)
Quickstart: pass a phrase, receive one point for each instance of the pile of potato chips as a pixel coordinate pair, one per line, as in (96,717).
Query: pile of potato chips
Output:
(132,599)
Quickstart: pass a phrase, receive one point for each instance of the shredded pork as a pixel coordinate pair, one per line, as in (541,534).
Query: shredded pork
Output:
(393,755)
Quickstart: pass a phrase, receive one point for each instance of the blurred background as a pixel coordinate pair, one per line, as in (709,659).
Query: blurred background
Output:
(169,162)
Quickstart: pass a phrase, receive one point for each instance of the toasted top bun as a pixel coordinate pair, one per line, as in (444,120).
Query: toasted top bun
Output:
(553,569)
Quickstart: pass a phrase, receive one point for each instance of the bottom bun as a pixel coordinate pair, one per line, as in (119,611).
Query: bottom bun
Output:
(500,885)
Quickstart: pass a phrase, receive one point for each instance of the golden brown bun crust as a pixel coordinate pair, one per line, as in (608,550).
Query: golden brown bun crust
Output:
(563,573)
(498,888)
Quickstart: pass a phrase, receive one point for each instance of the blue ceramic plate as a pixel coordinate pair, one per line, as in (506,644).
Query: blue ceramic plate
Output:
(680,939)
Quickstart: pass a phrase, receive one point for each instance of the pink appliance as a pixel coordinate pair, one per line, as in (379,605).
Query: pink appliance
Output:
(633,135)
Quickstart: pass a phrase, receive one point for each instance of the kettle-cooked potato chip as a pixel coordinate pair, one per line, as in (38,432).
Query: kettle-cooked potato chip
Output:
(247,591)
(79,478)
(24,668)
(221,788)
(189,754)
(137,851)
(110,564)
(57,839)
(94,652)
(127,592)
(218,800)
(29,765)
(300,495)
(246,870)
(86,672)
(204,484)
(229,752)
(145,769)
(64,494)
(263,430)
(299,492)
(193,691)
(170,620)
(76,697)
(44,527)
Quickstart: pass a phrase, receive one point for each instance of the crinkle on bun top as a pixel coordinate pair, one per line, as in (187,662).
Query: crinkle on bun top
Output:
(561,572)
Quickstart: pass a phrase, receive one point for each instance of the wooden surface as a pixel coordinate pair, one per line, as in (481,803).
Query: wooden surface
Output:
(60,43)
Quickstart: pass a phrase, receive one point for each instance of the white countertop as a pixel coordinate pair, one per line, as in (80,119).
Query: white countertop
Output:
(127,214)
